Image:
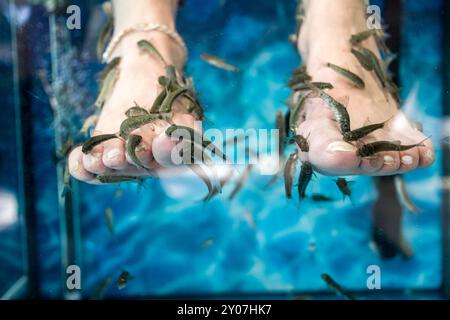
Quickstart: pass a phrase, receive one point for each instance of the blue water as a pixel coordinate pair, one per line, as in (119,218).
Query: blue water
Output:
(158,238)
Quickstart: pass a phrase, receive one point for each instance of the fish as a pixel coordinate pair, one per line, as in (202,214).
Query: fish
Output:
(206,243)
(136,111)
(337,288)
(279,125)
(296,111)
(370,149)
(344,187)
(304,178)
(379,72)
(62,153)
(105,35)
(446,140)
(301,142)
(196,138)
(109,217)
(403,195)
(158,101)
(146,46)
(355,39)
(354,78)
(123,279)
(240,183)
(118,179)
(130,124)
(108,78)
(132,145)
(321,198)
(197,154)
(89,123)
(365,61)
(166,105)
(363,131)
(218,63)
(96,140)
(289,173)
(100,290)
(340,111)
(307,86)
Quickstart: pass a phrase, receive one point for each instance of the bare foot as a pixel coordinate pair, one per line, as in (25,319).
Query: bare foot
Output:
(137,82)
(323,40)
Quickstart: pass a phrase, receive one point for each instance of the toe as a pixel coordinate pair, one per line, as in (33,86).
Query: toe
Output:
(391,163)
(371,165)
(426,154)
(93,161)
(76,167)
(114,155)
(409,160)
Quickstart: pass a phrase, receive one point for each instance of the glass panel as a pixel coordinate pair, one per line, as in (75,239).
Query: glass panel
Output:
(11,244)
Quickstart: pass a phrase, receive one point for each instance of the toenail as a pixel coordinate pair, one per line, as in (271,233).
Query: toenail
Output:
(112,154)
(74,166)
(389,160)
(341,146)
(408,160)
(430,154)
(93,159)
(141,148)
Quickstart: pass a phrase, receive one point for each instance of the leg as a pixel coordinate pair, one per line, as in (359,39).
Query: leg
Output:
(323,38)
(137,82)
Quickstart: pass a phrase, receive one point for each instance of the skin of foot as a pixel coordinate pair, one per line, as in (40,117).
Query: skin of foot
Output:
(323,38)
(137,83)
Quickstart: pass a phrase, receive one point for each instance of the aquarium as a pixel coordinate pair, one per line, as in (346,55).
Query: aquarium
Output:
(159,240)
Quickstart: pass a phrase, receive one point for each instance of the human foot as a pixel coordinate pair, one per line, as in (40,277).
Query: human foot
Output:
(322,42)
(137,83)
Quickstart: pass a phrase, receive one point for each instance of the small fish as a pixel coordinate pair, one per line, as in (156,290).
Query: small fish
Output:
(289,173)
(301,141)
(355,39)
(240,183)
(130,124)
(218,63)
(321,198)
(307,86)
(158,101)
(365,61)
(446,140)
(100,290)
(336,287)
(105,35)
(118,179)
(296,111)
(403,195)
(132,145)
(108,78)
(96,140)
(370,149)
(344,187)
(357,81)
(363,131)
(206,243)
(299,75)
(65,149)
(146,46)
(304,178)
(166,105)
(196,155)
(279,125)
(136,111)
(196,138)
(123,279)
(89,123)
(109,217)
(340,111)
(379,72)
